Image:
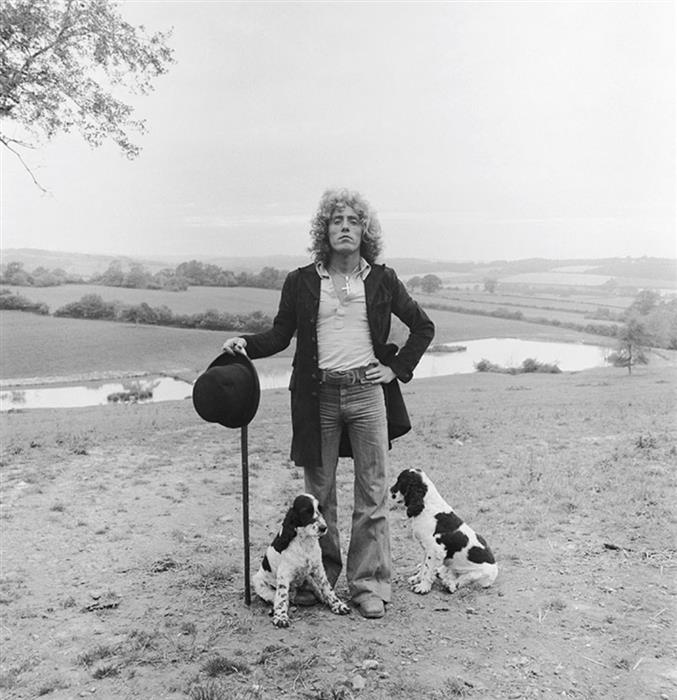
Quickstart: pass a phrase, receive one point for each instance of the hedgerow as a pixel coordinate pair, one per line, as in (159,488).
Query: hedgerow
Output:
(17,302)
(92,306)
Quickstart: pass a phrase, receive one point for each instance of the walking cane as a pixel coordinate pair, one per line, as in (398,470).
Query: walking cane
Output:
(228,393)
(245,511)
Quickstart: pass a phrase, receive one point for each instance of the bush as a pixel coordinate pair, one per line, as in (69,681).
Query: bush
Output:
(93,306)
(528,366)
(90,306)
(18,302)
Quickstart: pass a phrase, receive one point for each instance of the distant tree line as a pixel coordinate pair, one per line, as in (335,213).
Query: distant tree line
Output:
(428,284)
(18,302)
(649,321)
(92,306)
(136,276)
(14,273)
(652,319)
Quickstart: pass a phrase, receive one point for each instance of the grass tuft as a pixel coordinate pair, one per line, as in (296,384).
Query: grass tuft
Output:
(102,651)
(106,671)
(222,666)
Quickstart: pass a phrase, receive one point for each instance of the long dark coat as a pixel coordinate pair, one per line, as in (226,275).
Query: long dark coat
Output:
(297,313)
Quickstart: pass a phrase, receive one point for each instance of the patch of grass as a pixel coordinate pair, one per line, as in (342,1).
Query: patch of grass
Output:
(98,653)
(223,666)
(75,443)
(458,431)
(141,640)
(270,652)
(453,688)
(58,507)
(209,691)
(529,366)
(106,671)
(214,577)
(298,666)
(9,678)
(557,604)
(188,628)
(10,588)
(50,686)
(646,442)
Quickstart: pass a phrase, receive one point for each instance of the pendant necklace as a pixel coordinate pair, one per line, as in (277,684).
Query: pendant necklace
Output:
(346,290)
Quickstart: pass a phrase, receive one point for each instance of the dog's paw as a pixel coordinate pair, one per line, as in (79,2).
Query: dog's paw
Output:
(281,620)
(340,608)
(450,586)
(421,587)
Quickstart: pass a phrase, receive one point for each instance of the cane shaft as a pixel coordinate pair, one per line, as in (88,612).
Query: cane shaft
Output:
(245,511)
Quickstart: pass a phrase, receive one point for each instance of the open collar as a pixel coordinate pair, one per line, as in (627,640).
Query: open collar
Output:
(364,268)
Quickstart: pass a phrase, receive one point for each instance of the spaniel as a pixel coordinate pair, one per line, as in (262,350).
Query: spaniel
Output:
(294,558)
(452,549)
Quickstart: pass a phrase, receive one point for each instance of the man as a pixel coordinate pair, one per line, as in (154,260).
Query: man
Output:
(345,398)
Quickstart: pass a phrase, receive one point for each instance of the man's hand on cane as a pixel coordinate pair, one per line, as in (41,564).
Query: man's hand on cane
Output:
(233,345)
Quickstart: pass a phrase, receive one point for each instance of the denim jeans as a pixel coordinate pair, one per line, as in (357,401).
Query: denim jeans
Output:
(360,408)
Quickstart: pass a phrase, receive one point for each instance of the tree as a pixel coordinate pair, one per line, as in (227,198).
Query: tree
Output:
(137,277)
(645,302)
(632,341)
(413,282)
(113,276)
(430,284)
(60,61)
(15,274)
(490,284)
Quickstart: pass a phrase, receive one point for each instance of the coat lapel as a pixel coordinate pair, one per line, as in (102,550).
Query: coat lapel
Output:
(311,280)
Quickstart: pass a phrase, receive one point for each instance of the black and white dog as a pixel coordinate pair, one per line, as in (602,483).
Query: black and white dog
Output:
(452,549)
(293,558)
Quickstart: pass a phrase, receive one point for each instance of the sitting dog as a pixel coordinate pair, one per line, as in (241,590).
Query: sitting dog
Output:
(452,550)
(293,558)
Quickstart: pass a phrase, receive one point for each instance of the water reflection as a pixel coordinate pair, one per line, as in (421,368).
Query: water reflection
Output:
(96,394)
(506,352)
(511,352)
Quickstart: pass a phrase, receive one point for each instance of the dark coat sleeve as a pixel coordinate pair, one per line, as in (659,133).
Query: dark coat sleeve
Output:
(284,324)
(421,330)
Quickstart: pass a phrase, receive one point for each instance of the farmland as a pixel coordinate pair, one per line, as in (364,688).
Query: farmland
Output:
(122,552)
(193,300)
(36,346)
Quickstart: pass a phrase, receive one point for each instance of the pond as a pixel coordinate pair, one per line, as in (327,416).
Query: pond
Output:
(507,352)
(96,394)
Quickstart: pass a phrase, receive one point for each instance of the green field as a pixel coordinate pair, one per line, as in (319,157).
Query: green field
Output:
(44,346)
(244,300)
(194,300)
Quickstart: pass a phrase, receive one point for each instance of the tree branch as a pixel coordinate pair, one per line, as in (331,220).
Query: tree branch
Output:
(7,144)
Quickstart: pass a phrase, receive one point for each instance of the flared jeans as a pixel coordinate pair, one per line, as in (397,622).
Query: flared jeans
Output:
(360,409)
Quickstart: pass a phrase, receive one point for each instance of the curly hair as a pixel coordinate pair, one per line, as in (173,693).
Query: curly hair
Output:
(370,248)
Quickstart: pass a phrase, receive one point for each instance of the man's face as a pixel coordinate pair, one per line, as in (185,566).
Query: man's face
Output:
(345,231)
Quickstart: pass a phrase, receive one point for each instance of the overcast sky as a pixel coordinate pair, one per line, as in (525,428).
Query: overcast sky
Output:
(478,131)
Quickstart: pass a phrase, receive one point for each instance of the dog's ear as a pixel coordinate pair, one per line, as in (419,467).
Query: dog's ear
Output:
(304,510)
(414,492)
(287,531)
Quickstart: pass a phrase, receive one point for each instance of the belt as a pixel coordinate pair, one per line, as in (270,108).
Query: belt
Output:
(345,377)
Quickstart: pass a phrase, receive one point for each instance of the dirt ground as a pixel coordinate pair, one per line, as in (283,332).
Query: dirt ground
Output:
(122,561)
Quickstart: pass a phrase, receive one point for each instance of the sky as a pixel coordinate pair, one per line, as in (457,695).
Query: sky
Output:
(477,130)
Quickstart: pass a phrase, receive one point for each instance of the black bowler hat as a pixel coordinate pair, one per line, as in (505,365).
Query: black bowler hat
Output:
(228,391)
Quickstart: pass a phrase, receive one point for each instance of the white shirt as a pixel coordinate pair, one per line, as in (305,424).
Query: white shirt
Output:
(343,339)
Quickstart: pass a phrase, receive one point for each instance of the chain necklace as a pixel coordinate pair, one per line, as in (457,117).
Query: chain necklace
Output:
(347,288)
